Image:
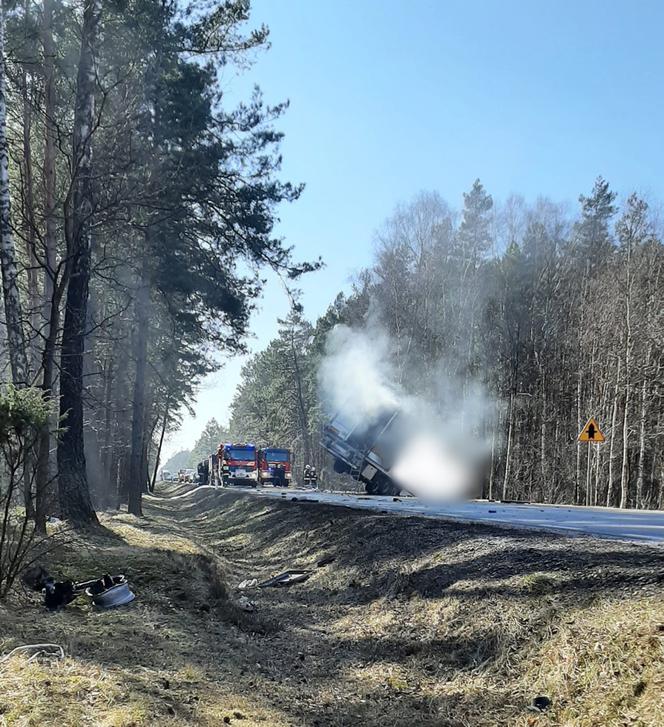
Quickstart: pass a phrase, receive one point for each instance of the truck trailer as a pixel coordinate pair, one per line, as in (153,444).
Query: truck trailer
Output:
(365,450)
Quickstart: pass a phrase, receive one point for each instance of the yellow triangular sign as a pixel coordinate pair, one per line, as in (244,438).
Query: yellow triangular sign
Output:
(591,432)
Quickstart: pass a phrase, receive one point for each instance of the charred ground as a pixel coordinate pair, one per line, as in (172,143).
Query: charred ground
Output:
(414,622)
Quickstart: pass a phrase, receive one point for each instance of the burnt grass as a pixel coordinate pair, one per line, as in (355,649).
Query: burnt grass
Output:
(410,622)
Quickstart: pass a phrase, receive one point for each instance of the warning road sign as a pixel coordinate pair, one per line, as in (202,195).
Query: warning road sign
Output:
(591,432)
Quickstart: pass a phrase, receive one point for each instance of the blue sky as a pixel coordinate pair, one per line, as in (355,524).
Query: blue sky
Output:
(391,97)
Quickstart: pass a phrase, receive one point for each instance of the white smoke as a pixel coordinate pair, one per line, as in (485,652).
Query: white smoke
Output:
(427,468)
(441,442)
(356,375)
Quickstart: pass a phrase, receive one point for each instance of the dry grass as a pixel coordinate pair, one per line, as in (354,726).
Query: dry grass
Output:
(414,623)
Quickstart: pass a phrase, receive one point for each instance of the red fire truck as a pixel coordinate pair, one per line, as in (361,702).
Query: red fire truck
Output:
(269,460)
(237,464)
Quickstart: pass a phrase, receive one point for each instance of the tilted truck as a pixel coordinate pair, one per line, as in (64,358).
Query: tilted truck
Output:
(365,450)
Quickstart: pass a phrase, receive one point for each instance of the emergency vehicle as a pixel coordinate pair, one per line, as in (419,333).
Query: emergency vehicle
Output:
(271,457)
(237,464)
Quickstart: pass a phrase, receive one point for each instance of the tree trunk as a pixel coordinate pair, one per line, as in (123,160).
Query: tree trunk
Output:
(624,473)
(598,460)
(51,295)
(508,451)
(543,435)
(29,224)
(164,424)
(642,441)
(493,462)
(50,139)
(106,447)
(579,424)
(10,288)
(75,502)
(302,409)
(136,471)
(614,424)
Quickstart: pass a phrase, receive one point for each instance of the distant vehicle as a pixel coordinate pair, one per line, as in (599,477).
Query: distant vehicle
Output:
(364,450)
(166,476)
(182,475)
(271,458)
(237,464)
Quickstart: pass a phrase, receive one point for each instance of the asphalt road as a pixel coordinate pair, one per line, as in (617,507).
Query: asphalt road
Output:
(635,525)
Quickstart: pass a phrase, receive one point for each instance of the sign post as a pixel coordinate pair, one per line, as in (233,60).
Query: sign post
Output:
(592,434)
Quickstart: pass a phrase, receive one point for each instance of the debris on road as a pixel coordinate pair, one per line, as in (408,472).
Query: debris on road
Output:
(541,704)
(105,592)
(286,579)
(326,560)
(109,591)
(58,593)
(248,583)
(246,605)
(40,650)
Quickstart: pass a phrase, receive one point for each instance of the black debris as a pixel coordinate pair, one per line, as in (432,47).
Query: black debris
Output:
(541,703)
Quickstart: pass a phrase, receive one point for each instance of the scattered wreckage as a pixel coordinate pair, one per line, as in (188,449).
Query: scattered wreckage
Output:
(104,592)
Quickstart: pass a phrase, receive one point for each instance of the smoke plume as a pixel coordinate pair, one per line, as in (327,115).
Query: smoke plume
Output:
(440,443)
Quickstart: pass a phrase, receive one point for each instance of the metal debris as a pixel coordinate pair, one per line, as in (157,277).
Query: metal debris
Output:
(245,604)
(286,579)
(105,592)
(248,583)
(109,591)
(326,560)
(40,650)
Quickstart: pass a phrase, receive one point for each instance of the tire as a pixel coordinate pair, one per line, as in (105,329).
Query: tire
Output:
(371,488)
(382,486)
(340,467)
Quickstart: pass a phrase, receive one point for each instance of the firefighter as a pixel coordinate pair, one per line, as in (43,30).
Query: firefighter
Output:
(279,476)
(310,476)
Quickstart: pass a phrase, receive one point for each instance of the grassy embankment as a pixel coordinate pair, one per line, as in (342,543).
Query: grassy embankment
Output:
(416,622)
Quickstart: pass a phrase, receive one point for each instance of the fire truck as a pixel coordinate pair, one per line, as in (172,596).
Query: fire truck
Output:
(270,458)
(365,450)
(237,464)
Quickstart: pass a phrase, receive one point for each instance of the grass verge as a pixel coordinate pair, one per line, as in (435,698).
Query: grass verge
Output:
(415,622)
